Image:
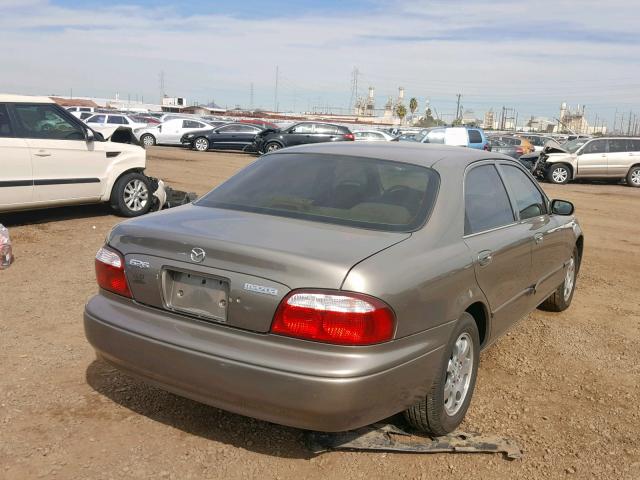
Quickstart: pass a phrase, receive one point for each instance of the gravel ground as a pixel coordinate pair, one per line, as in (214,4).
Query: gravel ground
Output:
(564,386)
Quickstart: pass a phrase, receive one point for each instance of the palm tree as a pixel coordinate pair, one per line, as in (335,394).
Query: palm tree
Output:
(413,105)
(401,111)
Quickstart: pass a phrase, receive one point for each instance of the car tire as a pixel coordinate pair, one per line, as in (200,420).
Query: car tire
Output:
(201,144)
(436,414)
(633,177)
(559,174)
(560,300)
(131,195)
(147,140)
(272,147)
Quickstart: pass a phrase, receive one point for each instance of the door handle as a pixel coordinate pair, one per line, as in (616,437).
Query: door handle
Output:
(485,257)
(539,238)
(42,153)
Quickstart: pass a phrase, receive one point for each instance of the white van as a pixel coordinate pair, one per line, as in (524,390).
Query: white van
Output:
(50,158)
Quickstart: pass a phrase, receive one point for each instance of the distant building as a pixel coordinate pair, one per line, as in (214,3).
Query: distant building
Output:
(490,121)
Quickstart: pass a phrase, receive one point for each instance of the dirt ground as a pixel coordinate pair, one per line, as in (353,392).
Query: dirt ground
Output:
(565,387)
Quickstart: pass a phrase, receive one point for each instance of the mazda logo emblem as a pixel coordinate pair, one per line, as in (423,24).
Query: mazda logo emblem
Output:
(197,255)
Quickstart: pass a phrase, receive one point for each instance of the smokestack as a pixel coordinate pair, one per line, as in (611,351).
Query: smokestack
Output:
(371,92)
(401,93)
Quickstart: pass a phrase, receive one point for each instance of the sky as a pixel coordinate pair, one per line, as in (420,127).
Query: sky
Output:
(531,56)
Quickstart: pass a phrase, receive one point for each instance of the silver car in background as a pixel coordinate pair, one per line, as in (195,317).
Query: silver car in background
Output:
(329,286)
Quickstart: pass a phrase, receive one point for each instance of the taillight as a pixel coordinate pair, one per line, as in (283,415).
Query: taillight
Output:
(343,318)
(110,272)
(349,136)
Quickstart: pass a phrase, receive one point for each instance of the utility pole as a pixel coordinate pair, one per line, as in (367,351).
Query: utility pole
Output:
(355,73)
(459,95)
(629,125)
(161,86)
(275,102)
(251,96)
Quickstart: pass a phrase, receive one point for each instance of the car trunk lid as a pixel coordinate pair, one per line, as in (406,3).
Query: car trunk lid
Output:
(234,267)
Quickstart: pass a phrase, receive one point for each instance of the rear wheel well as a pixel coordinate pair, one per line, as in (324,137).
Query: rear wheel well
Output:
(580,247)
(479,313)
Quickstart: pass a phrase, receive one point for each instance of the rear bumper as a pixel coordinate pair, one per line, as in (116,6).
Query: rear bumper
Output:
(238,371)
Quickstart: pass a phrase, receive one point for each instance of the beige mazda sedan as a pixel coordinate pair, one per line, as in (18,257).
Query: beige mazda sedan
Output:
(329,286)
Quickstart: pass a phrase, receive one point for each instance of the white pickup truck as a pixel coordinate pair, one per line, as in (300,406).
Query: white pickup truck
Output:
(51,158)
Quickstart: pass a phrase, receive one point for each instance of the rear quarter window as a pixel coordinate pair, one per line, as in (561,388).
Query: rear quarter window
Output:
(474,136)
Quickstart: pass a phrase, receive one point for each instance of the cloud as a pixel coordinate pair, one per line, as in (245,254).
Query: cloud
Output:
(531,56)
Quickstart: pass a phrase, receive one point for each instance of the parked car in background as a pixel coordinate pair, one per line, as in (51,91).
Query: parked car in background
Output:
(82,115)
(232,136)
(372,136)
(215,123)
(526,145)
(110,119)
(408,137)
(301,133)
(608,157)
(261,123)
(538,141)
(146,119)
(498,146)
(80,109)
(284,293)
(455,136)
(50,158)
(170,132)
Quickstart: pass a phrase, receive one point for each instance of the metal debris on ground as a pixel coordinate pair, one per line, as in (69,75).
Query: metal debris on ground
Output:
(6,253)
(389,438)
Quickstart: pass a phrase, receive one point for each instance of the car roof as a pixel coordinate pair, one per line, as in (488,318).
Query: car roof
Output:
(422,154)
(10,98)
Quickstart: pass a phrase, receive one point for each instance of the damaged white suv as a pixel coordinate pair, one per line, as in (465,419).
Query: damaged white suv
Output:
(50,158)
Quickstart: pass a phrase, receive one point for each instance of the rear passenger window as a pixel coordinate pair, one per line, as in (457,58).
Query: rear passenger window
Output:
(326,129)
(635,145)
(486,201)
(97,119)
(116,120)
(528,198)
(474,136)
(191,124)
(619,145)
(5,126)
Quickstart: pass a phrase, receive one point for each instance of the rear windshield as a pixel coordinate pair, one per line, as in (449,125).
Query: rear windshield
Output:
(358,192)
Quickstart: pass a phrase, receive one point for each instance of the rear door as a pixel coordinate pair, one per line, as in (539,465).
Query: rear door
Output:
(593,159)
(620,157)
(99,120)
(547,239)
(501,246)
(16,175)
(65,166)
(325,133)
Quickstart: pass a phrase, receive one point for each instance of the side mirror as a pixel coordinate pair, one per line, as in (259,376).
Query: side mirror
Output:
(159,128)
(562,207)
(89,136)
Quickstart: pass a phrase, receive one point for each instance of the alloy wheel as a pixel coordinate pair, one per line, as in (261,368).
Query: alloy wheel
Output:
(459,372)
(136,195)
(635,177)
(569,279)
(201,144)
(560,175)
(147,141)
(272,147)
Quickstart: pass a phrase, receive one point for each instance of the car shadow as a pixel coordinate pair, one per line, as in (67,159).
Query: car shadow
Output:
(196,418)
(15,219)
